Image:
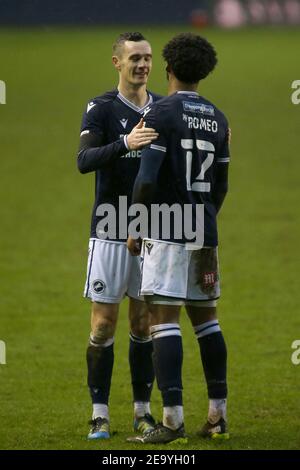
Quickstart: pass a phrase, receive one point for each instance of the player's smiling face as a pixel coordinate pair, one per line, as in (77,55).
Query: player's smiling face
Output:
(135,62)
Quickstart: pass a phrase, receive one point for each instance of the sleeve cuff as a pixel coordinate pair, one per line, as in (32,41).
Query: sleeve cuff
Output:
(125,142)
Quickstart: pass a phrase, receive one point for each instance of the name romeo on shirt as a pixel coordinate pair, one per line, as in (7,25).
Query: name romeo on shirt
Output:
(200,123)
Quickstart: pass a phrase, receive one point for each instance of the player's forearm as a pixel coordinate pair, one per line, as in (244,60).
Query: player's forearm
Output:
(146,180)
(218,196)
(93,155)
(220,188)
(143,192)
(92,159)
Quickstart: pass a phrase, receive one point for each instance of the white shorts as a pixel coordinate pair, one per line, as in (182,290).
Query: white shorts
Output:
(169,270)
(111,272)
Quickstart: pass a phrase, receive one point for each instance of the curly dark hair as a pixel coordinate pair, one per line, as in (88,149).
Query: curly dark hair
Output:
(135,36)
(190,57)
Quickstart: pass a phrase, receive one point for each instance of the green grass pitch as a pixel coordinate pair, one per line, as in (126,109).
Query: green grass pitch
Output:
(45,215)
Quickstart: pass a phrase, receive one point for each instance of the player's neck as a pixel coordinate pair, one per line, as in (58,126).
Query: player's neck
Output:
(136,95)
(175,85)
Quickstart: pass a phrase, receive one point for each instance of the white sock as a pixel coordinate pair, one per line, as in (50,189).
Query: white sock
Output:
(173,416)
(100,411)
(217,410)
(141,408)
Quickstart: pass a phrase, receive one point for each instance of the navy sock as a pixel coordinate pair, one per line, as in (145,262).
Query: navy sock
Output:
(141,367)
(214,358)
(100,361)
(167,361)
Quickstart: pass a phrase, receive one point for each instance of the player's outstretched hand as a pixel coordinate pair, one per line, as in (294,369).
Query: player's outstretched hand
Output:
(134,246)
(140,136)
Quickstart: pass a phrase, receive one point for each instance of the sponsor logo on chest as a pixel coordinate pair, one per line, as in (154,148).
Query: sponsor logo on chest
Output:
(198,108)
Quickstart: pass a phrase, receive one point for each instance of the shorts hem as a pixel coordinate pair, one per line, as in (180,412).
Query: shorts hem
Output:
(135,296)
(177,296)
(163,293)
(104,300)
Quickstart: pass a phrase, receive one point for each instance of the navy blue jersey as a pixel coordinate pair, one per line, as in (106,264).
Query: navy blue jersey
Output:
(107,119)
(188,161)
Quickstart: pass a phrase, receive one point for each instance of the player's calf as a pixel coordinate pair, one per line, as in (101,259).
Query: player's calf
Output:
(100,359)
(141,365)
(214,360)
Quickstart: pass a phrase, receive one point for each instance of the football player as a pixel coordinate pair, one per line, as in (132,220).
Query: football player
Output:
(111,139)
(186,166)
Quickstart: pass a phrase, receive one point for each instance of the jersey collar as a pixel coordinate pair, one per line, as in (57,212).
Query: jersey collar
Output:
(188,93)
(132,105)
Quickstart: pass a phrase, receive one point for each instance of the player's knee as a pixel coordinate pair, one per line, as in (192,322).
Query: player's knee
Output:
(205,317)
(139,319)
(102,331)
(140,327)
(103,322)
(200,315)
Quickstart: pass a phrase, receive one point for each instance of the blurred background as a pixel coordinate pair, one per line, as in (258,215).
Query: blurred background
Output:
(54,57)
(224,13)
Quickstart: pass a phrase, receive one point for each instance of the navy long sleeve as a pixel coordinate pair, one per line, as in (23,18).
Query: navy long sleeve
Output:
(145,183)
(93,155)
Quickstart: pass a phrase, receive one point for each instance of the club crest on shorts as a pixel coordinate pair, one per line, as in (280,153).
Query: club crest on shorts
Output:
(210,279)
(98,286)
(149,247)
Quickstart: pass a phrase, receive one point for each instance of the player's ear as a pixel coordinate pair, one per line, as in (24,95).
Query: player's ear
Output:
(168,71)
(116,62)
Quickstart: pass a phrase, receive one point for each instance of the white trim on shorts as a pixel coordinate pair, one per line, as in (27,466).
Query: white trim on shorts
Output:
(156,299)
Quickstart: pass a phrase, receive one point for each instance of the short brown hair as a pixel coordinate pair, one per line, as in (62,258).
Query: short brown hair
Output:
(135,36)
